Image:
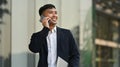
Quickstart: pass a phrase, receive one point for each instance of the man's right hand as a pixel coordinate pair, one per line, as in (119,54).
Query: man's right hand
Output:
(45,22)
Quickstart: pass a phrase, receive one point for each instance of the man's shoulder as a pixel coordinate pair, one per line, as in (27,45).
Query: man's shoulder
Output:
(36,33)
(63,29)
(44,29)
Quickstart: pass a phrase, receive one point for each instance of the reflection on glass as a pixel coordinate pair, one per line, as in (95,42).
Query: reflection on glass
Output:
(107,37)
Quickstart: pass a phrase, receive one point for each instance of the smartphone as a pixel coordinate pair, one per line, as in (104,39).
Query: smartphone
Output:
(42,19)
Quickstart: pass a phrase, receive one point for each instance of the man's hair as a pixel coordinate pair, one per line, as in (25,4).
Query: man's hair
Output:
(44,7)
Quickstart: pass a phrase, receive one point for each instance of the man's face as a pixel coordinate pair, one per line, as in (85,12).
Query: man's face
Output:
(52,14)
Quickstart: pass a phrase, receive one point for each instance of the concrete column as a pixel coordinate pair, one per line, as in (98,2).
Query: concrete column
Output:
(86,39)
(22,29)
(5,33)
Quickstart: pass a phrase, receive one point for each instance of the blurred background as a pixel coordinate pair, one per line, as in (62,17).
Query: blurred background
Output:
(95,25)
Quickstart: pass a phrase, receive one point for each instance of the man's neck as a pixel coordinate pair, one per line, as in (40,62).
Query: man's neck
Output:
(51,27)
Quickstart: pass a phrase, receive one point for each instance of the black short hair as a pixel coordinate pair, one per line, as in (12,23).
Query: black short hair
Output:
(44,7)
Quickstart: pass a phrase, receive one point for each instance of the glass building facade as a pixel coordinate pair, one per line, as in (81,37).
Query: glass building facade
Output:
(107,30)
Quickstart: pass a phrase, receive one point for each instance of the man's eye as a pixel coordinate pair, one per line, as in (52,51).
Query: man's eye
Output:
(50,12)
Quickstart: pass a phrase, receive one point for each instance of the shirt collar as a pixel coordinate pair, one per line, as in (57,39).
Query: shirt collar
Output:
(54,29)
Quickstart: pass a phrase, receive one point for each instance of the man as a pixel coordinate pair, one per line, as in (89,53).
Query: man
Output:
(53,42)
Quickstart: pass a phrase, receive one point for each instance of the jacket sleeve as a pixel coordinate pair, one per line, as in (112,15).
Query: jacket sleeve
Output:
(37,40)
(74,56)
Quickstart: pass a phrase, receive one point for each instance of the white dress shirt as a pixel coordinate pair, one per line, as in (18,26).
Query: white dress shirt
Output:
(52,47)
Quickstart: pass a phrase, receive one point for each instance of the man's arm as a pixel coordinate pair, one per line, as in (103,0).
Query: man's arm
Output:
(37,40)
(74,53)
(33,46)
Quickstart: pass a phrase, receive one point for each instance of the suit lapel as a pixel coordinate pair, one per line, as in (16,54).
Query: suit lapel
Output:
(46,45)
(58,41)
(60,46)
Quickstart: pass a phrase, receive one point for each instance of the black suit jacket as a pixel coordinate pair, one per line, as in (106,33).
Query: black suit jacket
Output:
(66,47)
